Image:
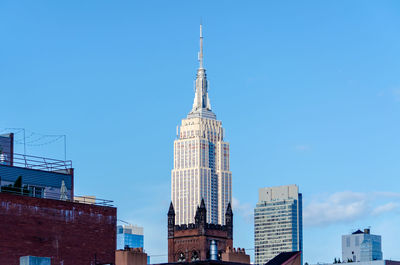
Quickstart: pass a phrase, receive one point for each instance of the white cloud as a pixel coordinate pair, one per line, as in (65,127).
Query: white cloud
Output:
(388,207)
(246,210)
(340,206)
(387,194)
(348,206)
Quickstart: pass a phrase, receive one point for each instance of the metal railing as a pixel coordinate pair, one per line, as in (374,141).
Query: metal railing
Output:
(92,200)
(43,194)
(36,162)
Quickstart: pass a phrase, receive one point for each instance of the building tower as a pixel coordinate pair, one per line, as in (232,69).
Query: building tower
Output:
(192,242)
(278,225)
(201,159)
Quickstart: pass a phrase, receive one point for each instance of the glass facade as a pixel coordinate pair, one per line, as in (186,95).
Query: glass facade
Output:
(277,223)
(361,246)
(131,236)
(36,183)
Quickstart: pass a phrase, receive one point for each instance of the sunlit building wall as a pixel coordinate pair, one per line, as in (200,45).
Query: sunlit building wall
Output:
(201,160)
(277,222)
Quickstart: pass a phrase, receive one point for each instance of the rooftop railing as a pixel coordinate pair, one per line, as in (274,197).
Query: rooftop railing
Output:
(36,162)
(43,194)
(92,200)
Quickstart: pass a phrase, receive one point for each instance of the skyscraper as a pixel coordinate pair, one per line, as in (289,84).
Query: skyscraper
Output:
(201,159)
(278,225)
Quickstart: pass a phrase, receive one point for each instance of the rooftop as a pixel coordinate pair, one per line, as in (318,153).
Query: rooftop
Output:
(283,258)
(36,163)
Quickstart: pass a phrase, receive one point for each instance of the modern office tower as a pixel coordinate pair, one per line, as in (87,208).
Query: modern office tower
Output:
(361,246)
(130,236)
(201,159)
(278,225)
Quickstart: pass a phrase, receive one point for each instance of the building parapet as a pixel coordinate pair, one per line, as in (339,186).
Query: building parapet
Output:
(195,226)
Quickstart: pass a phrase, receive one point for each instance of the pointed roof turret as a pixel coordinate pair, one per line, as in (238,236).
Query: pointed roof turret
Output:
(201,104)
(202,204)
(229,209)
(171,210)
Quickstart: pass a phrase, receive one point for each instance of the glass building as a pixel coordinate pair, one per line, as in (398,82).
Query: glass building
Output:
(201,160)
(278,225)
(361,246)
(130,236)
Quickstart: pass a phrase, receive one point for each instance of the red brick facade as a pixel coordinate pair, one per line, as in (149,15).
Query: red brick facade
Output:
(192,242)
(69,233)
(237,256)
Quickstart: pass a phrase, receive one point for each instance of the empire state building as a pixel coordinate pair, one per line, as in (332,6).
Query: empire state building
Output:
(201,159)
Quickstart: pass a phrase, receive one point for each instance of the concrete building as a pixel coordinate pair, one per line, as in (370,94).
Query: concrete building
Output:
(373,262)
(278,225)
(130,236)
(85,199)
(361,246)
(131,256)
(201,159)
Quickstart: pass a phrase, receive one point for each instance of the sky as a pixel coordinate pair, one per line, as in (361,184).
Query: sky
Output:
(308,93)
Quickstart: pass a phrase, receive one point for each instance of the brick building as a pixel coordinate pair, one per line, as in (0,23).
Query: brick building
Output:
(67,232)
(192,242)
(39,216)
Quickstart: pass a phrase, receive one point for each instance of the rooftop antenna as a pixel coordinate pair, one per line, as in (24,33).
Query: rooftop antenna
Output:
(122,221)
(201,47)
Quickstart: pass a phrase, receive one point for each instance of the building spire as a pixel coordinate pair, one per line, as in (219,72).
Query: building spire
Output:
(201,104)
(201,48)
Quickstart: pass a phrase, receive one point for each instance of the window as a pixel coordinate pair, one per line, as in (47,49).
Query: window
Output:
(37,192)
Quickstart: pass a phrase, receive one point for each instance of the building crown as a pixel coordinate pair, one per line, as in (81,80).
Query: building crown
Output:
(201,103)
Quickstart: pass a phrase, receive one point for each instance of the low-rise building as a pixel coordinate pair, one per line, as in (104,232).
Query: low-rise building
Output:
(130,236)
(361,246)
(40,218)
(372,262)
(131,256)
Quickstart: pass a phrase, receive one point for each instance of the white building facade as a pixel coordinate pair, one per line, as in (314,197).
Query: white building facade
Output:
(361,246)
(201,160)
(278,222)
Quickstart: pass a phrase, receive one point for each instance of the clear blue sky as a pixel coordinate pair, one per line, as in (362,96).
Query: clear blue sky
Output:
(308,92)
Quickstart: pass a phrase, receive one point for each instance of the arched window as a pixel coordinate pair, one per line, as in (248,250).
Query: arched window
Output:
(181,257)
(219,255)
(195,256)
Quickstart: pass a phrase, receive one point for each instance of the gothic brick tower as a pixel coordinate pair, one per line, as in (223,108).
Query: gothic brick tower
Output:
(192,242)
